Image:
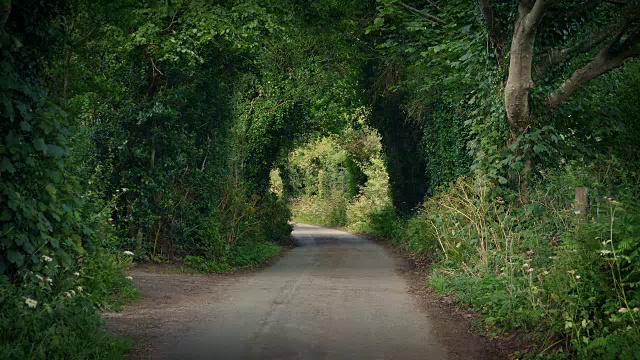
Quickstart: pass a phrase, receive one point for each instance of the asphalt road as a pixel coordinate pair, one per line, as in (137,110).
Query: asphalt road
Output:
(337,296)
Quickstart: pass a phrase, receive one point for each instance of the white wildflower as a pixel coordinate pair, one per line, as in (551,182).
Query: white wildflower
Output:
(67,294)
(577,276)
(530,270)
(79,288)
(127,252)
(50,281)
(623,310)
(577,212)
(40,277)
(76,274)
(72,292)
(30,303)
(46,258)
(129,278)
(605,252)
(635,310)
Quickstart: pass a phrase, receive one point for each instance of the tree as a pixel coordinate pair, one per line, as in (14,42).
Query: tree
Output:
(612,36)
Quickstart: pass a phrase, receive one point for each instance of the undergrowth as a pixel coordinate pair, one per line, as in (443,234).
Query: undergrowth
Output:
(569,279)
(245,255)
(54,314)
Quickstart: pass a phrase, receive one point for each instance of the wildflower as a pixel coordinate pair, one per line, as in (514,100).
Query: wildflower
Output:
(129,278)
(623,310)
(50,281)
(46,258)
(577,212)
(72,292)
(605,252)
(67,294)
(30,303)
(530,270)
(40,277)
(635,310)
(577,276)
(525,265)
(545,272)
(127,252)
(76,273)
(79,288)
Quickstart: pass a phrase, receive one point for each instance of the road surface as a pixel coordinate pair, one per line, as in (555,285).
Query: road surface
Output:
(336,296)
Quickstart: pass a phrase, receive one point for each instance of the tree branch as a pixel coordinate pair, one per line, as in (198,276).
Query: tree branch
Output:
(494,28)
(615,2)
(412,9)
(555,57)
(5,10)
(612,56)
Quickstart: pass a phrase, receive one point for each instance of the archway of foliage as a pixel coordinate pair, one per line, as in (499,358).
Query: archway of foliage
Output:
(517,105)
(459,129)
(146,131)
(340,180)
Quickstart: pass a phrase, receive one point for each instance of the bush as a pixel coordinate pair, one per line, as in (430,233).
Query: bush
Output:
(245,254)
(103,278)
(275,215)
(53,318)
(331,211)
(541,266)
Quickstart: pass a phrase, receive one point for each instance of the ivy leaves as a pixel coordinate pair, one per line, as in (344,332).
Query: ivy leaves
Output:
(38,207)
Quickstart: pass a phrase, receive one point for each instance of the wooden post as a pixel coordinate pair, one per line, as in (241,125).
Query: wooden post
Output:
(582,195)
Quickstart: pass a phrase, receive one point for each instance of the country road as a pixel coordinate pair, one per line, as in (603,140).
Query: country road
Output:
(336,296)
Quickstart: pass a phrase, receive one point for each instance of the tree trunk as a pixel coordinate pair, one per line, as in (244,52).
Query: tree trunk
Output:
(519,82)
(67,65)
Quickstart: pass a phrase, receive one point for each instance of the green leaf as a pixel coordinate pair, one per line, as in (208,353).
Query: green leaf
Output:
(25,126)
(15,257)
(51,190)
(39,144)
(5,165)
(55,151)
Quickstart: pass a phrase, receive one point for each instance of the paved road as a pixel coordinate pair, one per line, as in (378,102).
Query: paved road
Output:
(337,296)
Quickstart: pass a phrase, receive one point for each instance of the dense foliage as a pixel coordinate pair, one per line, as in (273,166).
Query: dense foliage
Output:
(192,131)
(499,220)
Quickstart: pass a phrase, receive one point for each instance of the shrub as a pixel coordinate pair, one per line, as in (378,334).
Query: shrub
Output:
(53,318)
(541,266)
